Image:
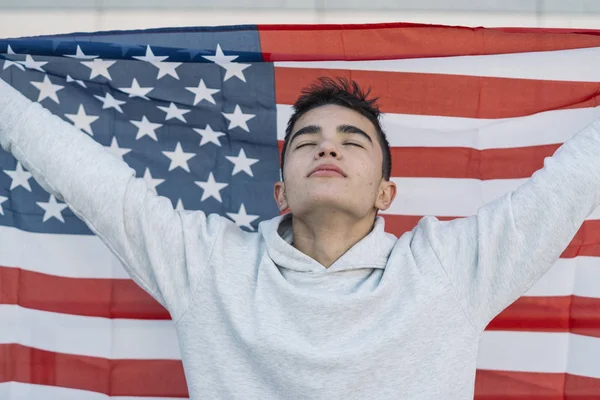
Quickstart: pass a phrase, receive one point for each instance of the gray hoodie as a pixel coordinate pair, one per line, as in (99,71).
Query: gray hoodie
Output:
(257,319)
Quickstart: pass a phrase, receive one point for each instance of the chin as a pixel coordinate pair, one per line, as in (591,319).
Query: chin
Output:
(326,194)
(327,201)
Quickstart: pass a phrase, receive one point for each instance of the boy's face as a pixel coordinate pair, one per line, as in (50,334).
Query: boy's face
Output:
(334,161)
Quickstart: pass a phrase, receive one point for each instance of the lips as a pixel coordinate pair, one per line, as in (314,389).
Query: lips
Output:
(327,170)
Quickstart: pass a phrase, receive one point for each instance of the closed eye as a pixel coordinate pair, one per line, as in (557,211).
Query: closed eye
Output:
(353,144)
(305,144)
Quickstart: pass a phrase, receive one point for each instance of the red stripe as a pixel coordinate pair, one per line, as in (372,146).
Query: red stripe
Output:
(395,41)
(152,378)
(155,378)
(377,25)
(400,224)
(507,385)
(436,94)
(63,295)
(463,162)
(108,298)
(586,241)
(575,314)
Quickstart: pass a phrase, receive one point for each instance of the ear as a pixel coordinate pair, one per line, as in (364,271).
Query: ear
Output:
(280,198)
(386,195)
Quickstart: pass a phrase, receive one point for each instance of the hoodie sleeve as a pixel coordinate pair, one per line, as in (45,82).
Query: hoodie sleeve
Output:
(141,228)
(495,256)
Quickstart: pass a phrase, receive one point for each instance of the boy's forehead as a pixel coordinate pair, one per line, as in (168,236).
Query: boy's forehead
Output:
(332,114)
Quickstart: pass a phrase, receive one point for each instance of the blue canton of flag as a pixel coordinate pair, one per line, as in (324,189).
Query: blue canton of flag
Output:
(191,110)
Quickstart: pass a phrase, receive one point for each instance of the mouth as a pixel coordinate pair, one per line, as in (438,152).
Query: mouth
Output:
(327,170)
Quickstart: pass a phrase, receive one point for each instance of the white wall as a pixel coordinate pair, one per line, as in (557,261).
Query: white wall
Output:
(16,22)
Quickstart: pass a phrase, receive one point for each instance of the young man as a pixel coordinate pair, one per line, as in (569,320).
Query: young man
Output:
(321,303)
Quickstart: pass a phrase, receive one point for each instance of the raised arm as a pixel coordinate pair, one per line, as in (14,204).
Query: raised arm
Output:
(140,228)
(492,258)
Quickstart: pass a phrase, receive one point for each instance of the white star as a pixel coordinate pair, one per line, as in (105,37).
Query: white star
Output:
(52,209)
(150,57)
(242,219)
(136,91)
(30,63)
(179,158)
(164,68)
(238,118)
(242,163)
(203,93)
(82,121)
(11,63)
(47,89)
(19,177)
(150,181)
(208,135)
(99,67)
(174,112)
(179,206)
(81,83)
(110,102)
(79,54)
(211,188)
(232,69)
(115,149)
(146,128)
(167,68)
(220,57)
(2,200)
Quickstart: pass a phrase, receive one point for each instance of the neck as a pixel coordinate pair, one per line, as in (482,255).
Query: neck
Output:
(325,236)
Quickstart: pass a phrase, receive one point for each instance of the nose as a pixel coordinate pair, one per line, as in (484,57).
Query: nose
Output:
(327,148)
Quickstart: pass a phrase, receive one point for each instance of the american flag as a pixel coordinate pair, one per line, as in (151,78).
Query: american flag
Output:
(200,113)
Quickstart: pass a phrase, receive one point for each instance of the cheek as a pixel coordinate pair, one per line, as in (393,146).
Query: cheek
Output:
(367,172)
(294,180)
(291,169)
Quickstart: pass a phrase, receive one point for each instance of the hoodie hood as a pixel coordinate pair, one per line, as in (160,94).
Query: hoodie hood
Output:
(372,252)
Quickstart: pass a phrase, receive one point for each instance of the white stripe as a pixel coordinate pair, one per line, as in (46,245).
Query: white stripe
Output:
(451,196)
(560,278)
(447,196)
(586,277)
(540,352)
(118,339)
(577,276)
(89,336)
(75,256)
(19,391)
(407,130)
(561,65)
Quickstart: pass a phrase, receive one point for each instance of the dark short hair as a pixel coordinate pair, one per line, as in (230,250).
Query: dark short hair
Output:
(345,93)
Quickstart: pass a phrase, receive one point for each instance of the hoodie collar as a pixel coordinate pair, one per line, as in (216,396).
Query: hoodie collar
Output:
(371,252)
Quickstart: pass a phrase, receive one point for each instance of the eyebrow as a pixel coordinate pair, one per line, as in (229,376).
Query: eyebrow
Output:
(345,128)
(354,130)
